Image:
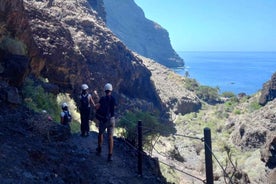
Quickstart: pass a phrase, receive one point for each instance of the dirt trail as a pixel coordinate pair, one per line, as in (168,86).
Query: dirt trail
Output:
(123,168)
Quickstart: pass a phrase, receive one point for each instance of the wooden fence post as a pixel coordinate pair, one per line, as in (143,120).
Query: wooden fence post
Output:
(140,147)
(208,156)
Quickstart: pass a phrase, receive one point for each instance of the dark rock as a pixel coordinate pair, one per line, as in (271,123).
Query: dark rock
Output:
(9,94)
(241,95)
(13,97)
(269,91)
(51,88)
(16,68)
(186,105)
(175,154)
(268,153)
(27,157)
(59,132)
(249,138)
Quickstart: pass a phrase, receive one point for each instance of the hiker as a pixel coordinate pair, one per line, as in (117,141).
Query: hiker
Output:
(105,115)
(65,115)
(96,99)
(86,102)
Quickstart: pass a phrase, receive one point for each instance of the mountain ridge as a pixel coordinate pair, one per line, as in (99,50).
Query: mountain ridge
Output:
(146,37)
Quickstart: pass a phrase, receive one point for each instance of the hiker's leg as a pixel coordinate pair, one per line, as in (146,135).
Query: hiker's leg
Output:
(110,145)
(82,125)
(86,126)
(100,136)
(110,132)
(100,140)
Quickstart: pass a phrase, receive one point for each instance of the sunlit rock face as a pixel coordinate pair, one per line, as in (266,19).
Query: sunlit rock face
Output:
(141,35)
(68,44)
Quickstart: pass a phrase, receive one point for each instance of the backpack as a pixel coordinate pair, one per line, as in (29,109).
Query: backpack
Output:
(84,104)
(67,117)
(103,113)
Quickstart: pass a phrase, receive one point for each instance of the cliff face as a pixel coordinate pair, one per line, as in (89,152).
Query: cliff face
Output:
(68,44)
(98,5)
(128,22)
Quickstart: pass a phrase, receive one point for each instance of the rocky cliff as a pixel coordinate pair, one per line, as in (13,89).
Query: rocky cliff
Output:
(148,38)
(68,44)
(65,44)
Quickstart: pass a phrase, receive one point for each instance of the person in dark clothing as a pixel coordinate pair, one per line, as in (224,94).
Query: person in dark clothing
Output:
(65,115)
(86,102)
(105,115)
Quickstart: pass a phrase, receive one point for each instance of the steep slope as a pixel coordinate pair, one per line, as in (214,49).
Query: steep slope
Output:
(35,150)
(141,35)
(170,88)
(67,44)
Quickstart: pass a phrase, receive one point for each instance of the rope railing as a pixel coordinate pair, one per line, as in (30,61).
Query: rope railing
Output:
(208,148)
(175,168)
(180,135)
(141,152)
(220,165)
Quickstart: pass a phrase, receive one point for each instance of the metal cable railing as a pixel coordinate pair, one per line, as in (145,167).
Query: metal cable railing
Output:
(208,148)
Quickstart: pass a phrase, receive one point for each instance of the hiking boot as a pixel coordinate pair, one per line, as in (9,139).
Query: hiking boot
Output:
(98,150)
(109,158)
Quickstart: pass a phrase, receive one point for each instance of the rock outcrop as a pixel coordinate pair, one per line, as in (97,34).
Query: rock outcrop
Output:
(128,22)
(68,44)
(256,132)
(268,91)
(171,89)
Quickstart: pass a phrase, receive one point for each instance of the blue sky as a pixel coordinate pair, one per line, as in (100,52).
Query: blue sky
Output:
(215,25)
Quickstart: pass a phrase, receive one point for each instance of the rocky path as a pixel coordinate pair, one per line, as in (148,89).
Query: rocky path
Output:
(38,151)
(123,168)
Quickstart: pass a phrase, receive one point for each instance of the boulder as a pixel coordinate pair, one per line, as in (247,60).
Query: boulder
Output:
(268,92)
(268,152)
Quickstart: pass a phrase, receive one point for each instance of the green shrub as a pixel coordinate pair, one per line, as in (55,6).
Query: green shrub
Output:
(234,100)
(254,106)
(38,100)
(75,126)
(228,94)
(237,111)
(13,46)
(208,94)
(150,127)
(191,84)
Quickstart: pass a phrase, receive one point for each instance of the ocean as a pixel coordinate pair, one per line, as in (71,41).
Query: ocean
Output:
(230,71)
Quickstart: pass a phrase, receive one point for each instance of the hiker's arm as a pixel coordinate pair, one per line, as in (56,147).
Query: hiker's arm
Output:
(61,120)
(95,96)
(92,101)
